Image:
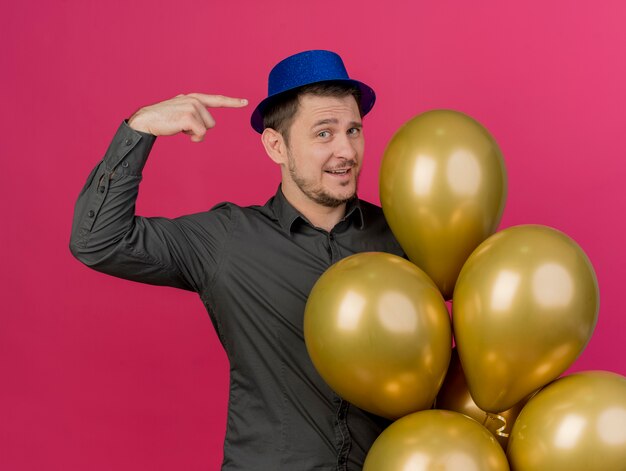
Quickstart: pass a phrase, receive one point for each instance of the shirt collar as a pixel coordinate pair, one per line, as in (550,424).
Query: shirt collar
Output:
(288,216)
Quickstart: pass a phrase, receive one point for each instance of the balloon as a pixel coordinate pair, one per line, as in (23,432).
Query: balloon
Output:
(378,332)
(455,396)
(435,440)
(442,189)
(577,423)
(525,306)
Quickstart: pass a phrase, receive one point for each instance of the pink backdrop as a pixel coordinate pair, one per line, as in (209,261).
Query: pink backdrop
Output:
(98,373)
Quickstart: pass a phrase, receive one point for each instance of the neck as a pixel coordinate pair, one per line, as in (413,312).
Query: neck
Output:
(319,215)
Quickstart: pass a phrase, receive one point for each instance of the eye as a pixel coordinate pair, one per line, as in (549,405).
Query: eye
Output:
(323,134)
(354,131)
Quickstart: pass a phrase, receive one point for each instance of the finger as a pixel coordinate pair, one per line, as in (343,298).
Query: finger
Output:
(219,101)
(204,114)
(194,125)
(193,137)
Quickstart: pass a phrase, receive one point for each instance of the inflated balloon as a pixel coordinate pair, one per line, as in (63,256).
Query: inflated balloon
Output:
(577,423)
(442,189)
(455,396)
(436,440)
(525,306)
(378,332)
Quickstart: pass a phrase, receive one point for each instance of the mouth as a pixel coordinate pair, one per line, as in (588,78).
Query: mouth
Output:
(339,172)
(343,171)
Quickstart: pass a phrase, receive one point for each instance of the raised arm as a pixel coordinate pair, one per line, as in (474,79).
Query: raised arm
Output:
(107,235)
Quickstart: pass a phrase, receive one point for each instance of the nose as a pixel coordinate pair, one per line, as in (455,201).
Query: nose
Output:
(347,147)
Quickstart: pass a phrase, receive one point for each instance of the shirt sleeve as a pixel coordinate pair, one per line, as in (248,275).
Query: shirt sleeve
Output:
(108,237)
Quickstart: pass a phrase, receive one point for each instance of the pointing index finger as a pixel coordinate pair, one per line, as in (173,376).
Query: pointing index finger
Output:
(219,101)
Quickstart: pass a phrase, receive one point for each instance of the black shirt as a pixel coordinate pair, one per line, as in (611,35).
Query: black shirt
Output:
(253,268)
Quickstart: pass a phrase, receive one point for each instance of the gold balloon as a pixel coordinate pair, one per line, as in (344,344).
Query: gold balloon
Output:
(435,440)
(378,332)
(442,189)
(525,306)
(455,396)
(577,423)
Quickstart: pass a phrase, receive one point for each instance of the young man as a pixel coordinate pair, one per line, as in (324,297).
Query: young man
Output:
(253,267)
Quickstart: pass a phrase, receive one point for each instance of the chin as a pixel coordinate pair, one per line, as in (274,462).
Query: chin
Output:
(347,192)
(339,197)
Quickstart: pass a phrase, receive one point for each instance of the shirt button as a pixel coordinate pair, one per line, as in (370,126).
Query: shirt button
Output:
(101,189)
(125,164)
(128,142)
(91,213)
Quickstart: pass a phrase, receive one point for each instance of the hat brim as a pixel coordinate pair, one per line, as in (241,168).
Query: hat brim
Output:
(368,98)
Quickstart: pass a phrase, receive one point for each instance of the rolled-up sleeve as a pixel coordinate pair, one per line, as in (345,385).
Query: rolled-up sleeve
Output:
(108,237)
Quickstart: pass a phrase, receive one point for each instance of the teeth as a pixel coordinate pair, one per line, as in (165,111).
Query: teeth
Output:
(339,172)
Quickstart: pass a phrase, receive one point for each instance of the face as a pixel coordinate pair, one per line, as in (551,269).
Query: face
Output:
(325,150)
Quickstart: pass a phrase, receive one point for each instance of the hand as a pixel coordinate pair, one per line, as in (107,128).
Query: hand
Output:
(184,113)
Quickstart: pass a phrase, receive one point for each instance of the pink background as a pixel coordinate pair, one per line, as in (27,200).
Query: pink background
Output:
(98,373)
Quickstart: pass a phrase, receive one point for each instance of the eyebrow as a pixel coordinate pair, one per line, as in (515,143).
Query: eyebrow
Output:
(322,122)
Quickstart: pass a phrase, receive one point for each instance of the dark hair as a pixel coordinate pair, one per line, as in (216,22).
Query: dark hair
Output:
(279,115)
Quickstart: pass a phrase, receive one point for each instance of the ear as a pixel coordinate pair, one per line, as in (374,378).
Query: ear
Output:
(274,145)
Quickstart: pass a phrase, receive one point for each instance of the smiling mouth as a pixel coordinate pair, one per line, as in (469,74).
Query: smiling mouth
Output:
(343,171)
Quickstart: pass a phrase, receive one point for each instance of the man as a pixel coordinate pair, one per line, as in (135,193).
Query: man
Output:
(254,267)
